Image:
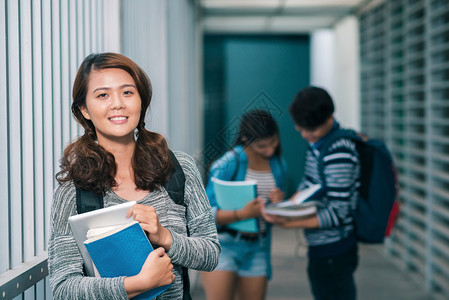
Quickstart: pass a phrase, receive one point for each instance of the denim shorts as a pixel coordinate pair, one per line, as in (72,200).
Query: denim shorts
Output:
(246,258)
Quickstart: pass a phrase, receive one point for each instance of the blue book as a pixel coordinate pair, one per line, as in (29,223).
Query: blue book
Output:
(233,195)
(121,251)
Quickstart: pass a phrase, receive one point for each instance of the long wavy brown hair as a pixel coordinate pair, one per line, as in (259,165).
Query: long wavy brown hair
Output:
(88,164)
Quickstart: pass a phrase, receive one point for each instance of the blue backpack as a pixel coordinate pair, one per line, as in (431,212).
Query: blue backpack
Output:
(377,192)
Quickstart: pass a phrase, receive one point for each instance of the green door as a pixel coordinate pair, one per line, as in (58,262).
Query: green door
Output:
(246,72)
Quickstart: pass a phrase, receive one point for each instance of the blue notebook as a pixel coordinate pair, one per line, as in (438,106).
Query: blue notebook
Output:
(122,252)
(233,195)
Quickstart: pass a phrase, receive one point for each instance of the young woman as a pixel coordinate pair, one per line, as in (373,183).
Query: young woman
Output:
(123,161)
(244,266)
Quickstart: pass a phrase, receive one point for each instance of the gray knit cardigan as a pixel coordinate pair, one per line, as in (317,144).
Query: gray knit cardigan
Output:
(199,251)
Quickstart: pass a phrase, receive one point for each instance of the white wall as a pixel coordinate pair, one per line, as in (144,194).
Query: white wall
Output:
(347,66)
(184,75)
(322,59)
(335,67)
(144,40)
(161,36)
(112,26)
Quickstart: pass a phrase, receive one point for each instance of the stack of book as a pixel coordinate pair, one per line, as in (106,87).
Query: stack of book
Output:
(291,210)
(113,245)
(301,206)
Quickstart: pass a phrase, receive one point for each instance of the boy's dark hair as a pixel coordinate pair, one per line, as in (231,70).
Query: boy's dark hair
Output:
(311,107)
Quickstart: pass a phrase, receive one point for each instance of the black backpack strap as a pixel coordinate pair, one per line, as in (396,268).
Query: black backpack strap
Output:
(176,183)
(186,284)
(87,201)
(175,189)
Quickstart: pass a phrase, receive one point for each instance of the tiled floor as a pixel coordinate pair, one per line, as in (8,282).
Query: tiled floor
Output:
(377,278)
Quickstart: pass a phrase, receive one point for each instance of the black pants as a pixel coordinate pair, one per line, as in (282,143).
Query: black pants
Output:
(333,278)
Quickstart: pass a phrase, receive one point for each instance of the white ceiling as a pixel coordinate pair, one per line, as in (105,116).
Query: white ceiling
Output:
(274,16)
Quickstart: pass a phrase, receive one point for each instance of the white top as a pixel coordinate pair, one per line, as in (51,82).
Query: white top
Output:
(265,183)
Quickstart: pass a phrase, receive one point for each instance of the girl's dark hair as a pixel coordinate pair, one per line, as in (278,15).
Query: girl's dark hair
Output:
(88,164)
(311,107)
(255,125)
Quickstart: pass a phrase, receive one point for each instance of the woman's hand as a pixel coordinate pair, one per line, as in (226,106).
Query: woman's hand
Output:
(251,209)
(276,195)
(148,219)
(157,268)
(156,271)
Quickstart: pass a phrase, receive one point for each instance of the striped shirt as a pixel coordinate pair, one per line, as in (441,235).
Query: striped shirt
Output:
(265,183)
(342,177)
(199,251)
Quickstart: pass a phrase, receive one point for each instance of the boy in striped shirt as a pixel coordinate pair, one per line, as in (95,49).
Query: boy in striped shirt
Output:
(330,235)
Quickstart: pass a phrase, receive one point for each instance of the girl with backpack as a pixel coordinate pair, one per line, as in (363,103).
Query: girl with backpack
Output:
(121,160)
(244,266)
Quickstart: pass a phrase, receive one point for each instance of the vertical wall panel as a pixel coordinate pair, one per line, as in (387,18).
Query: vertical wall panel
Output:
(27,129)
(38,129)
(178,74)
(429,271)
(65,84)
(87,27)
(40,290)
(80,31)
(94,34)
(395,98)
(14,135)
(47,109)
(73,60)
(101,33)
(26,72)
(415,160)
(372,47)
(111,30)
(56,80)
(93,25)
(183,66)
(416,96)
(438,96)
(4,153)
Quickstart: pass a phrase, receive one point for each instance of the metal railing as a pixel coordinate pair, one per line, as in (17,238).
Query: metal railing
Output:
(16,281)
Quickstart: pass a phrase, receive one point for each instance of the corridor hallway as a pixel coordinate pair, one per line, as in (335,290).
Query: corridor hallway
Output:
(377,278)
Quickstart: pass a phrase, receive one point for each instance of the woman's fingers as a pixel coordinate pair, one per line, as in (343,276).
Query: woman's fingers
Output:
(158,268)
(148,219)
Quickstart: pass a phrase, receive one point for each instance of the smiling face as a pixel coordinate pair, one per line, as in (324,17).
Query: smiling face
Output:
(113,105)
